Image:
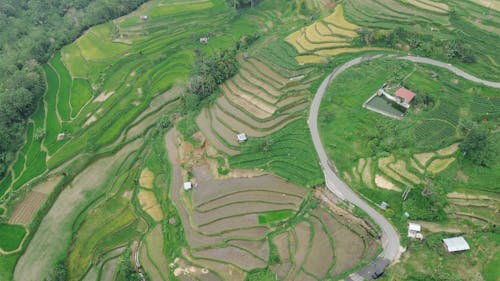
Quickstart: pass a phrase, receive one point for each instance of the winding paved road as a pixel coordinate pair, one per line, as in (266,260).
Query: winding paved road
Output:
(390,237)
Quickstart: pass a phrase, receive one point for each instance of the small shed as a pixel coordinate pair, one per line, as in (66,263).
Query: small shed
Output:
(188,185)
(204,40)
(405,94)
(456,244)
(144,17)
(61,136)
(384,205)
(414,230)
(242,137)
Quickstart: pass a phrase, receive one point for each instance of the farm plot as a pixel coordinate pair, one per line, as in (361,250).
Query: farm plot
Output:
(261,99)
(220,225)
(12,236)
(327,37)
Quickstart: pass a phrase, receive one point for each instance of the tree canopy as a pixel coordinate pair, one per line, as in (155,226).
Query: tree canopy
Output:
(30,32)
(477,146)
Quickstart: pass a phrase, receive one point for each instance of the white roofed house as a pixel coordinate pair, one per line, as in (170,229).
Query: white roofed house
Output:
(414,230)
(188,185)
(241,137)
(456,244)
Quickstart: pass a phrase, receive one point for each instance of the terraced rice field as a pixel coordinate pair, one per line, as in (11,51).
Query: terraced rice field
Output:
(329,36)
(261,99)
(225,233)
(321,247)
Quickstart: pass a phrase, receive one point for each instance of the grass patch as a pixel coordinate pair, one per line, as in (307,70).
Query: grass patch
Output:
(12,236)
(274,216)
(288,153)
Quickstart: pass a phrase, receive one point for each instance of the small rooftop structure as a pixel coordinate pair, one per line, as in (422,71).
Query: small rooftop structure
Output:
(144,17)
(61,136)
(405,94)
(384,205)
(188,185)
(456,244)
(241,137)
(204,40)
(414,230)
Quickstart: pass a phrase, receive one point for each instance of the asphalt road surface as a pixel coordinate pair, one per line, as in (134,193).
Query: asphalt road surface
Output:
(389,236)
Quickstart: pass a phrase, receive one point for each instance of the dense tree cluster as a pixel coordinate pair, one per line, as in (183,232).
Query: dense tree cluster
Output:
(421,44)
(211,71)
(478,147)
(238,4)
(30,32)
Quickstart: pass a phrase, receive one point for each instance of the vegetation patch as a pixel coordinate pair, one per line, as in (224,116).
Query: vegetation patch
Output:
(270,217)
(12,236)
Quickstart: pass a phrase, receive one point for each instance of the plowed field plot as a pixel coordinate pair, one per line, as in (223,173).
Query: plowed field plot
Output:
(26,210)
(221,222)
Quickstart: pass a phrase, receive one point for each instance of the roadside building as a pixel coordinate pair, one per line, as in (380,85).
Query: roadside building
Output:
(414,231)
(406,95)
(241,137)
(456,244)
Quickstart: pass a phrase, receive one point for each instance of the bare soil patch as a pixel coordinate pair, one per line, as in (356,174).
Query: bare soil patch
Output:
(210,189)
(204,123)
(305,59)
(25,211)
(439,165)
(230,224)
(91,120)
(348,246)
(448,150)
(109,270)
(435,227)
(281,242)
(423,158)
(252,196)
(226,271)
(247,75)
(200,218)
(384,183)
(268,70)
(148,202)
(250,88)
(303,235)
(415,165)
(232,255)
(103,96)
(154,242)
(302,276)
(238,95)
(245,117)
(48,186)
(320,256)
(459,195)
(383,164)
(400,168)
(258,248)
(367,173)
(146,179)
(246,105)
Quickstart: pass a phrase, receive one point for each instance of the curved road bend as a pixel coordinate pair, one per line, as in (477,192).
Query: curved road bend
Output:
(390,238)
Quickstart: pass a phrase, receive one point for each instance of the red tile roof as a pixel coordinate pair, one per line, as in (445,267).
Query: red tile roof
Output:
(406,94)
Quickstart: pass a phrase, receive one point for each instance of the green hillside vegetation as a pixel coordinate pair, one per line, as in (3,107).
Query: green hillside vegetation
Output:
(92,167)
(421,151)
(12,236)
